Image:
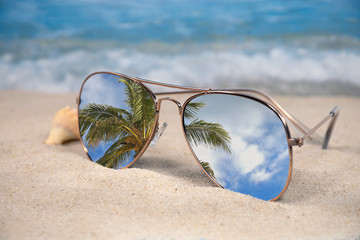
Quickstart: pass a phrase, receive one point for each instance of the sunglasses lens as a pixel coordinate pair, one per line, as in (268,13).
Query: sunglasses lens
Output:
(116,119)
(240,142)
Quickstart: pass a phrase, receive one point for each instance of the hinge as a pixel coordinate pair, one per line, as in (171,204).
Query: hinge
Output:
(296,142)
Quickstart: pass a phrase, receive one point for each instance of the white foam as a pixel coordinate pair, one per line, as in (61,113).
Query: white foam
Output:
(66,72)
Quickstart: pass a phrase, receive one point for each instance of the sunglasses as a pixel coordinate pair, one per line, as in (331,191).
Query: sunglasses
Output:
(239,138)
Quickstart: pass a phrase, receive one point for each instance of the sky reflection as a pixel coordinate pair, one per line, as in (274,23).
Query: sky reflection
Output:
(259,161)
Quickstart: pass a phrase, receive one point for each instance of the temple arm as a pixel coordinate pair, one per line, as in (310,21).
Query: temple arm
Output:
(333,116)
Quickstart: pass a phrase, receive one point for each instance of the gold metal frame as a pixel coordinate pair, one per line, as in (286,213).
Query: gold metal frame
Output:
(252,94)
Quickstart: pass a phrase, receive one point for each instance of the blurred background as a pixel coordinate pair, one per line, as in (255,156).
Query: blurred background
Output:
(287,47)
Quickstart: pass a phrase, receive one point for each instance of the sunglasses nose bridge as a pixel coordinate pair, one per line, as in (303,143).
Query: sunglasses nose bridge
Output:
(158,105)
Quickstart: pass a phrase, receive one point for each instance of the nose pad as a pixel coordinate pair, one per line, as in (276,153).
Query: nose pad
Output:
(158,134)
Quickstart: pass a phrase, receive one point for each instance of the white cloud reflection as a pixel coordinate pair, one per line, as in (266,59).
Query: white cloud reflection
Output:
(104,89)
(260,175)
(246,157)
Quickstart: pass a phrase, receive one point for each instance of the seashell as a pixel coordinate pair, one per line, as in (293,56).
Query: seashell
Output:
(64,127)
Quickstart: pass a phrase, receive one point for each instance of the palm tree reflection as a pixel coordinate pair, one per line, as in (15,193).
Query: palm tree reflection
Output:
(128,129)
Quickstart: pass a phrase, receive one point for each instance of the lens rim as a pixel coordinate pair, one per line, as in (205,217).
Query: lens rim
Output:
(155,124)
(277,113)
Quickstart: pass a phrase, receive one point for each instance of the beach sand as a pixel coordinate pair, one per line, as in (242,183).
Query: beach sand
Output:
(55,192)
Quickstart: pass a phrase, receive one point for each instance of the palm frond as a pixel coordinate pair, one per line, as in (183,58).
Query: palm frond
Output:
(192,110)
(131,94)
(141,105)
(208,168)
(117,154)
(209,134)
(101,123)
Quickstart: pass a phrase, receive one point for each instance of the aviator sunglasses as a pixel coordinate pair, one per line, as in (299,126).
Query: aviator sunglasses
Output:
(240,138)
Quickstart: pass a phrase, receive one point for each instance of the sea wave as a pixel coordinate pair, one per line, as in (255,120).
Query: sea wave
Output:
(202,67)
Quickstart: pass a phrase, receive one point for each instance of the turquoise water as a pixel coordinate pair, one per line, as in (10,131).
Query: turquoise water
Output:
(303,47)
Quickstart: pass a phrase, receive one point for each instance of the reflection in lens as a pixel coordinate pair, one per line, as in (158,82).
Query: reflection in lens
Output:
(116,117)
(241,143)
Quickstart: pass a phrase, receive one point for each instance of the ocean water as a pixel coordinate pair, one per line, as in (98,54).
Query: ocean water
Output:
(289,47)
